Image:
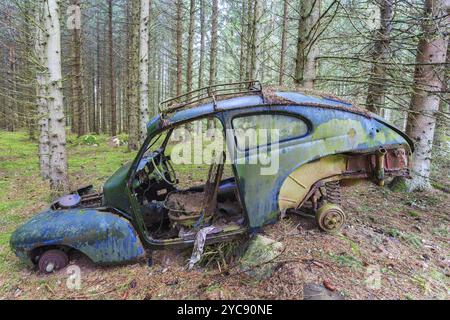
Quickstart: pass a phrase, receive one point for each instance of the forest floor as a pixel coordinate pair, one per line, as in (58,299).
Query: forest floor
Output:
(402,238)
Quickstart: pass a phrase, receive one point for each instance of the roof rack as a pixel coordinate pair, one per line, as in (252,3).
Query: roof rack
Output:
(210,92)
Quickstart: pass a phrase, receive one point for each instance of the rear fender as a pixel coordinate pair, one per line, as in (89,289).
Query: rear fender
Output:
(300,183)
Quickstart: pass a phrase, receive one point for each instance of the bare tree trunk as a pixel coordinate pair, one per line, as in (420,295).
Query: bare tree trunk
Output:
(78,98)
(105,107)
(128,68)
(254,39)
(57,134)
(10,107)
(143,68)
(71,88)
(430,59)
(29,114)
(190,57)
(179,46)
(377,79)
(440,145)
(213,54)
(13,109)
(133,140)
(242,43)
(154,56)
(249,33)
(72,100)
(112,84)
(42,93)
(98,99)
(283,43)
(307,50)
(202,44)
(92,109)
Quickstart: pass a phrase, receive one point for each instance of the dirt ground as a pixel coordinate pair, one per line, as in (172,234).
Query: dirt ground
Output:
(393,247)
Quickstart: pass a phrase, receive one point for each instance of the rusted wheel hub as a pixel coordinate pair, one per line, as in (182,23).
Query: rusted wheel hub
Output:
(330,218)
(53,260)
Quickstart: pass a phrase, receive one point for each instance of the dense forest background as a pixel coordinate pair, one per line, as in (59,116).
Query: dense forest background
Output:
(103,66)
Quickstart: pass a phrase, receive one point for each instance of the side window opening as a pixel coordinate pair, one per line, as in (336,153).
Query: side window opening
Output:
(192,147)
(257,130)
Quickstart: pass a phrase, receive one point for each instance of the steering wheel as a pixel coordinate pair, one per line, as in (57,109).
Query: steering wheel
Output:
(168,172)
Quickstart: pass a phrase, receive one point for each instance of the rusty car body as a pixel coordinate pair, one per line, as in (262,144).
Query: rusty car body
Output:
(340,143)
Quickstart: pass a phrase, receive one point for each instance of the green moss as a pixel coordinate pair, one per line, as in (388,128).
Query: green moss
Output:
(398,184)
(336,128)
(354,247)
(413,214)
(346,260)
(258,260)
(393,232)
(442,230)
(412,239)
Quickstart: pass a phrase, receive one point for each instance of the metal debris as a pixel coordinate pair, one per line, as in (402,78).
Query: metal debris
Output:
(199,244)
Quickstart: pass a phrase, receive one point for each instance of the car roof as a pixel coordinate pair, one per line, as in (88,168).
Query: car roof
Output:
(269,96)
(266,98)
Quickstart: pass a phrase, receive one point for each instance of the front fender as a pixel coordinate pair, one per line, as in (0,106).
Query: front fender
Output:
(102,236)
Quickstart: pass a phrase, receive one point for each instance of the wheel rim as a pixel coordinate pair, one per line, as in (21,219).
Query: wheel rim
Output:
(330,218)
(333,220)
(50,267)
(52,260)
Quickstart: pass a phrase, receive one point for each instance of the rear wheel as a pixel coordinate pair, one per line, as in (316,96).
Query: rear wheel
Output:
(52,260)
(330,218)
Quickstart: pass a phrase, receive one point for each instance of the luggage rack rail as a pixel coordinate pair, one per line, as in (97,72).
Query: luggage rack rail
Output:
(210,92)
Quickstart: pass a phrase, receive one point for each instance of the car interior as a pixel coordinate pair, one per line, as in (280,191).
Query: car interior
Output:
(176,204)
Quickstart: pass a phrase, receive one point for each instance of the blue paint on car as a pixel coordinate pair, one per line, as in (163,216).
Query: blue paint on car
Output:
(102,236)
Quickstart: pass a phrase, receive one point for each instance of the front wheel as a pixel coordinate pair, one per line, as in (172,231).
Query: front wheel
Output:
(52,260)
(330,218)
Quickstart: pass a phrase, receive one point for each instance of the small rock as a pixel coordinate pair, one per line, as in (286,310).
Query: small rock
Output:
(17,293)
(114,142)
(312,291)
(426,257)
(173,282)
(328,285)
(215,295)
(257,260)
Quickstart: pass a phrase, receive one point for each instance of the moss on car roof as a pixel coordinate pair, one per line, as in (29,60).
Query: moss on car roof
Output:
(268,96)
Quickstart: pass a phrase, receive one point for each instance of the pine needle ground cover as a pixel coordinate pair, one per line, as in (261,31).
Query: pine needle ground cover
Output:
(402,237)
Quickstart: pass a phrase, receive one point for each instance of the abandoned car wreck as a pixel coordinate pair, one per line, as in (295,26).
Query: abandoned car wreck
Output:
(324,144)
